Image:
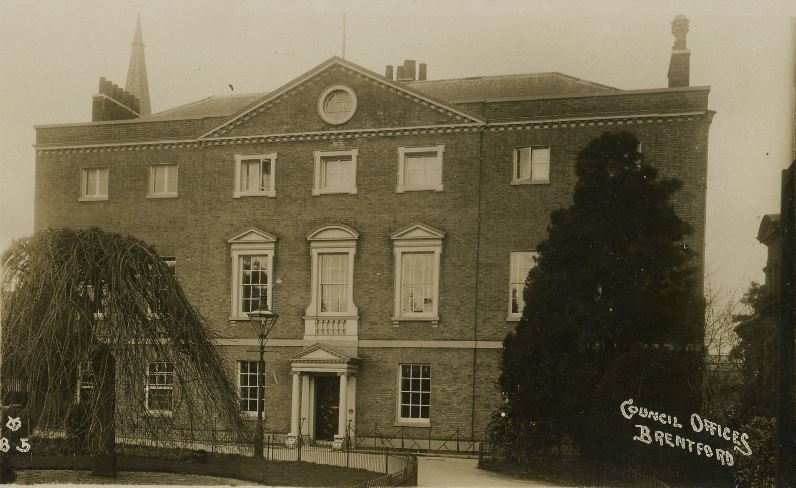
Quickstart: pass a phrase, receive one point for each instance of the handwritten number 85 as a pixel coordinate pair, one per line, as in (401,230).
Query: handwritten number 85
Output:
(24,445)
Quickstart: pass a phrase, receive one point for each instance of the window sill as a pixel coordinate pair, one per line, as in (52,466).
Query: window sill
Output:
(238,319)
(270,194)
(513,318)
(530,182)
(412,423)
(433,319)
(93,199)
(161,195)
(160,413)
(316,192)
(426,188)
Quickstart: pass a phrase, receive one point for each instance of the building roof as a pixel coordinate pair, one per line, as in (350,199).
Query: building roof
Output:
(457,90)
(218,106)
(479,88)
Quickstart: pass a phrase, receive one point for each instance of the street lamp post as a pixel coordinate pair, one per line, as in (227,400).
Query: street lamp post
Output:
(263,321)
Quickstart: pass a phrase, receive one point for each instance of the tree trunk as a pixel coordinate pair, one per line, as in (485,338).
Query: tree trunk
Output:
(103,436)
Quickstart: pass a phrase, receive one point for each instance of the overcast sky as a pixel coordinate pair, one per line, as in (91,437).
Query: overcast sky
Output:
(52,54)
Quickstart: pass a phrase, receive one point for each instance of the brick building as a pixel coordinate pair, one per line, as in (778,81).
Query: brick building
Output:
(389,220)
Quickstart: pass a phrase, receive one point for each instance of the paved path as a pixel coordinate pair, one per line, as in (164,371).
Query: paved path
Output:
(451,472)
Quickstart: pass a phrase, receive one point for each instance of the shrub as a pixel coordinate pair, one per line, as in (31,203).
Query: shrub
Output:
(759,469)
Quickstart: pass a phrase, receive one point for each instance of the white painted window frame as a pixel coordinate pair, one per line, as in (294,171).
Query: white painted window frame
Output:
(529,181)
(239,251)
(534,254)
(148,387)
(84,196)
(270,192)
(322,100)
(408,421)
(343,245)
(83,385)
(151,193)
(319,155)
(433,246)
(403,151)
(250,413)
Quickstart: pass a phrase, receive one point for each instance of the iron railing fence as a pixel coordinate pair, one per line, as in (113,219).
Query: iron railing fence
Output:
(395,465)
(569,469)
(417,439)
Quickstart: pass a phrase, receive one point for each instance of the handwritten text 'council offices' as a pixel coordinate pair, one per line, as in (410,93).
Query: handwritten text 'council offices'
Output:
(739,440)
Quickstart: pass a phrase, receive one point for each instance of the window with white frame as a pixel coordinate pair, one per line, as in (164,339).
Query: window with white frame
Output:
(417,251)
(254,282)
(420,168)
(520,264)
(335,172)
(415,393)
(162,181)
(255,175)
(248,384)
(417,283)
(332,249)
(252,253)
(85,382)
(160,386)
(333,282)
(337,104)
(531,165)
(94,183)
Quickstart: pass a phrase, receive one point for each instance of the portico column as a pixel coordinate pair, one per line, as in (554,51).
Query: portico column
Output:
(343,413)
(295,403)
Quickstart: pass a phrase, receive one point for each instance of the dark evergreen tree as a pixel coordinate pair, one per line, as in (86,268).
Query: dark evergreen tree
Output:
(757,351)
(614,310)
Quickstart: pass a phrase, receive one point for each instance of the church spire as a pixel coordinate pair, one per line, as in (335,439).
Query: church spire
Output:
(137,83)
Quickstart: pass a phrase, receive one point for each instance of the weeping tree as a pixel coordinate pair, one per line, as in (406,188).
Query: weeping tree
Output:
(106,308)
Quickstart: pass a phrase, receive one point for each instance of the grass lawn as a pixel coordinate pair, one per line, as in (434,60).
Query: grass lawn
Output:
(273,473)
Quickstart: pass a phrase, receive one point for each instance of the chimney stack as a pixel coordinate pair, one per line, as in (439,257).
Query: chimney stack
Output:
(680,63)
(409,71)
(113,103)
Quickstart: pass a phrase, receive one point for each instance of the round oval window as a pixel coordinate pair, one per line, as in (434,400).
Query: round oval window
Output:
(337,105)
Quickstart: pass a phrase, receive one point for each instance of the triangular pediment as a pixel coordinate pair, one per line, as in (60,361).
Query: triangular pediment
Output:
(418,231)
(320,353)
(251,235)
(380,103)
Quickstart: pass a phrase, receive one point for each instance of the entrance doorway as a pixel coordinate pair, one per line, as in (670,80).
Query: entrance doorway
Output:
(327,406)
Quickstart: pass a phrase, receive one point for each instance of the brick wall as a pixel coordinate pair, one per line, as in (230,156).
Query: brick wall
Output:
(477,174)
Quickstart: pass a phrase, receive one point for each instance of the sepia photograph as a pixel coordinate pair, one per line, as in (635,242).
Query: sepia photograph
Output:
(398,243)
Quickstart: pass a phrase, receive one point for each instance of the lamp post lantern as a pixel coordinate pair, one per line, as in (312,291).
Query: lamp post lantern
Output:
(263,320)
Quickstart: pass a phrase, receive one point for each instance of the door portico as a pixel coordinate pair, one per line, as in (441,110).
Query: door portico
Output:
(312,370)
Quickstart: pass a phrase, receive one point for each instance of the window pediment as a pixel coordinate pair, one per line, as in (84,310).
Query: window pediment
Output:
(418,230)
(252,235)
(334,233)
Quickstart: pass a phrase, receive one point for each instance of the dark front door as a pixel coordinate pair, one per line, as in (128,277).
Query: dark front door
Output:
(327,406)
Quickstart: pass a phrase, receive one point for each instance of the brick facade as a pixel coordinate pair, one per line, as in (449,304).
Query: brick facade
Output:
(483,216)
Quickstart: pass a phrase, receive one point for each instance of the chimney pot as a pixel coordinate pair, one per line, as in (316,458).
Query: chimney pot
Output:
(679,29)
(388,72)
(680,62)
(421,73)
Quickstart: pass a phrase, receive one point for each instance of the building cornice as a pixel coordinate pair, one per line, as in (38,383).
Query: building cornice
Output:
(627,119)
